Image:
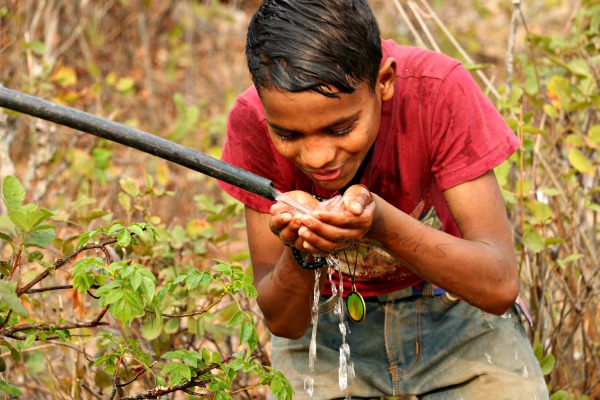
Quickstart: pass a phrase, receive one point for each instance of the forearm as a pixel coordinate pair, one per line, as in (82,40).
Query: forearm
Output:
(482,273)
(285,296)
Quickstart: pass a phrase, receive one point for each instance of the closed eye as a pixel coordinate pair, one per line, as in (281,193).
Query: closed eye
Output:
(286,135)
(344,131)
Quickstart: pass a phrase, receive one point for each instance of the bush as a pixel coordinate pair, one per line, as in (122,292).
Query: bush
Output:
(142,312)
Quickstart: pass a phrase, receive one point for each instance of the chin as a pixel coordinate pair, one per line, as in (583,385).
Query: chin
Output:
(332,185)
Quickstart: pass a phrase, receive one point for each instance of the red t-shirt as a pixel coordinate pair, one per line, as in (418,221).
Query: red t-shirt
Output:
(438,131)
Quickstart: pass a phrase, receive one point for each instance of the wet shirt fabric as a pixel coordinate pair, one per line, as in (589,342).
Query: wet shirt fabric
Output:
(438,131)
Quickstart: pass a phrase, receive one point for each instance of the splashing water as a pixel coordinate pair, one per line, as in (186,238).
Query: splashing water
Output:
(291,202)
(346,366)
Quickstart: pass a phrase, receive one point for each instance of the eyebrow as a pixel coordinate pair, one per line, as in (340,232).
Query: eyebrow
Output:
(324,128)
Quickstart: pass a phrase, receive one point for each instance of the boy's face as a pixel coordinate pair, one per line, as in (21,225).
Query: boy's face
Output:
(327,138)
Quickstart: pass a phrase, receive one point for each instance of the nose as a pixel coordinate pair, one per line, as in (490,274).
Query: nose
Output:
(318,153)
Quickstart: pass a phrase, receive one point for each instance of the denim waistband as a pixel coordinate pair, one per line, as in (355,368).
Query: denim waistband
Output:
(421,290)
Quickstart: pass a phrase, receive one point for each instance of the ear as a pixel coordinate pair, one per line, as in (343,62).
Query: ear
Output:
(386,78)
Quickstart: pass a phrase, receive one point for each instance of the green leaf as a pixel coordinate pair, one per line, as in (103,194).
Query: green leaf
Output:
(541,213)
(135,228)
(172,325)
(14,391)
(136,280)
(222,395)
(248,334)
(5,237)
(551,111)
(224,268)
(152,328)
(533,241)
(125,84)
(40,238)
(560,395)
(13,193)
(177,372)
(160,381)
(547,364)
(196,278)
(124,238)
(236,319)
(128,186)
(126,304)
(594,134)
(28,216)
(148,288)
(8,296)
(580,162)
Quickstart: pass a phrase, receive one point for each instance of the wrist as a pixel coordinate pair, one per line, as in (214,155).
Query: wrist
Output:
(306,260)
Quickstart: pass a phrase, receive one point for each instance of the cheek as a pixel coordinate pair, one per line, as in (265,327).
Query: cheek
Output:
(287,150)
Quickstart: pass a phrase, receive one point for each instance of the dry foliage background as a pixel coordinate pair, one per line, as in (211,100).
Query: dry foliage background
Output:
(173,68)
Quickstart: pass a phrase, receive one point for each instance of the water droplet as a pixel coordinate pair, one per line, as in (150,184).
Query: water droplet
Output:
(343,372)
(342,327)
(525,372)
(309,386)
(488,357)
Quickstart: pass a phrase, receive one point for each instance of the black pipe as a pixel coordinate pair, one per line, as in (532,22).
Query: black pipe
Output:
(137,139)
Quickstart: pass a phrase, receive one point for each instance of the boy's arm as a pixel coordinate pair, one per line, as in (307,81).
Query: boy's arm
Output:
(480,267)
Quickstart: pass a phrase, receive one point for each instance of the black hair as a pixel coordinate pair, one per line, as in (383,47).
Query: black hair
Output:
(325,46)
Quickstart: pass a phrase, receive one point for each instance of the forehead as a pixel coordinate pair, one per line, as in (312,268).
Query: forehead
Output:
(305,111)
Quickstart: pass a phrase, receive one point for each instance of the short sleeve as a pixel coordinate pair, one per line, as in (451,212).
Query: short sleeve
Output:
(248,146)
(469,137)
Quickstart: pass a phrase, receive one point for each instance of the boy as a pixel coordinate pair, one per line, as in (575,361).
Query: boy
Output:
(408,140)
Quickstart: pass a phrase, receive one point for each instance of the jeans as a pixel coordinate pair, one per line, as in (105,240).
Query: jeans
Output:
(433,347)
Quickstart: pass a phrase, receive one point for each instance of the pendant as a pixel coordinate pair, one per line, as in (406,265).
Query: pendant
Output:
(355,305)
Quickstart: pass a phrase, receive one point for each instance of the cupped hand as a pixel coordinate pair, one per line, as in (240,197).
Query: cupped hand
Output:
(340,224)
(285,220)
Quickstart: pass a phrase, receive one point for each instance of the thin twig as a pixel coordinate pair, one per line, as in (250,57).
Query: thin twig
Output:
(48,327)
(409,25)
(49,289)
(129,382)
(90,391)
(510,52)
(460,49)
(193,313)
(63,261)
(418,13)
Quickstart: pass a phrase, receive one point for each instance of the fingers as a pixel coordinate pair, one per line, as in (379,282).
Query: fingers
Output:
(340,223)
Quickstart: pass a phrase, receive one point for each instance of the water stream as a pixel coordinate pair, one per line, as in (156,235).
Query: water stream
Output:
(346,366)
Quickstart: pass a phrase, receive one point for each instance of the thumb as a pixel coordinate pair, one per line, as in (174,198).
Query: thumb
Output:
(357,198)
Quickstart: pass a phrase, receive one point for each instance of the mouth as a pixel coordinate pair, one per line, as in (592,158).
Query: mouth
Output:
(326,175)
